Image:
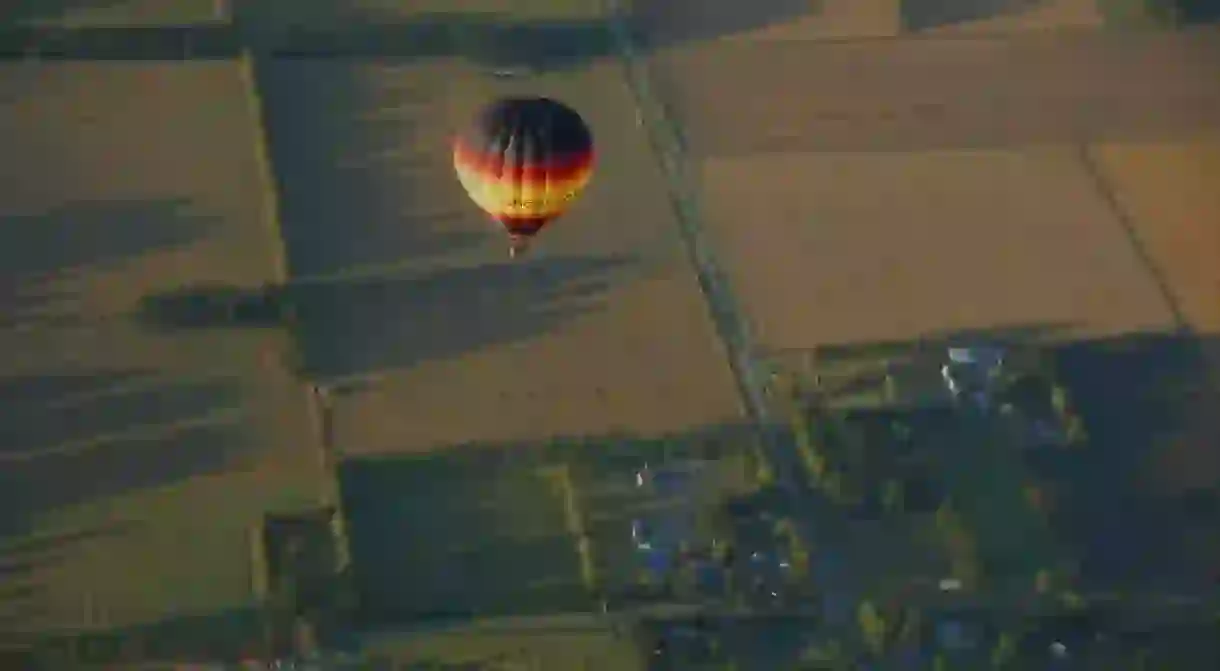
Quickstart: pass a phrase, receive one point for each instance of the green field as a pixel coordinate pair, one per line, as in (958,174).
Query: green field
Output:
(485,531)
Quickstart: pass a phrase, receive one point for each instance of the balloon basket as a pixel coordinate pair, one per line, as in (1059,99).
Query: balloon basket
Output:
(517,246)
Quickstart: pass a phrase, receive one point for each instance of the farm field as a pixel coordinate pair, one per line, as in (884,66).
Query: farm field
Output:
(422,324)
(910,189)
(553,521)
(1052,243)
(125,180)
(245,284)
(1164,185)
(903,212)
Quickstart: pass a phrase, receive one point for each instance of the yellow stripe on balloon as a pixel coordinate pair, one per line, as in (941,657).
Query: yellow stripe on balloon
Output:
(509,197)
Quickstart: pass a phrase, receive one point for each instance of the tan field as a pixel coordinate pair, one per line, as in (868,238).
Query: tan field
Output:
(1168,187)
(878,247)
(863,190)
(600,329)
(134,463)
(875,179)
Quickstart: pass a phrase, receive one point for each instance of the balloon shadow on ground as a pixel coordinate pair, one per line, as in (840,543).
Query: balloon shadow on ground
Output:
(663,24)
(925,14)
(72,438)
(363,168)
(43,255)
(1196,11)
(1162,13)
(351,328)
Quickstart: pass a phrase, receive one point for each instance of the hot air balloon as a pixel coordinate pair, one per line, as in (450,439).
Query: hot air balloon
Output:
(523,161)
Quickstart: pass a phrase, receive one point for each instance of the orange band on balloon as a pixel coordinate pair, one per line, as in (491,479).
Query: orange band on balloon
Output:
(540,192)
(557,168)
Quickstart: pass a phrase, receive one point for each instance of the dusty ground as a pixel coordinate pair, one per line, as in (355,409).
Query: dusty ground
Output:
(878,247)
(133,463)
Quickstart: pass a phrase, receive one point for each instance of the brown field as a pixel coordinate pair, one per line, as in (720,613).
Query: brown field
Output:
(912,95)
(878,247)
(600,329)
(957,17)
(991,214)
(134,462)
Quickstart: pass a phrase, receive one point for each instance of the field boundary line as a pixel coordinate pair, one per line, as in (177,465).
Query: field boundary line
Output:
(1103,187)
(731,325)
(316,399)
(269,210)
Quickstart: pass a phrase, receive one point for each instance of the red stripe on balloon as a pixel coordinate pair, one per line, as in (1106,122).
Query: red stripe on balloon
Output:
(564,167)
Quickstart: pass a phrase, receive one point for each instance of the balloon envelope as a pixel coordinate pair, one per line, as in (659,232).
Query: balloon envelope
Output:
(524,160)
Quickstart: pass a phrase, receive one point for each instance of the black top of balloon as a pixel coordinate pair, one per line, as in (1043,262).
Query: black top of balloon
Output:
(540,122)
